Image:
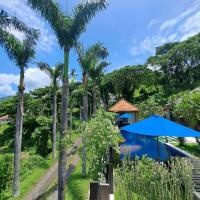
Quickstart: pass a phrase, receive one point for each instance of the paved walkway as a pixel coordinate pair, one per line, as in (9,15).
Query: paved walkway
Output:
(40,188)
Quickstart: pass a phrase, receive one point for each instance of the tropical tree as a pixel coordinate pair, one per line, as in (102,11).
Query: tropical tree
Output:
(178,64)
(87,58)
(68,29)
(21,52)
(54,75)
(96,74)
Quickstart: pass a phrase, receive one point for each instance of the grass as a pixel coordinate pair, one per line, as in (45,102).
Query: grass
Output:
(3,127)
(36,174)
(193,149)
(77,186)
(33,179)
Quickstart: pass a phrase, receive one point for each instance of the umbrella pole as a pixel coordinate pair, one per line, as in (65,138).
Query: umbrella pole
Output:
(158,149)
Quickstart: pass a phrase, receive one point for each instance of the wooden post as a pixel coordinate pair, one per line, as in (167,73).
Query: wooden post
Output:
(109,177)
(104,192)
(111,154)
(94,190)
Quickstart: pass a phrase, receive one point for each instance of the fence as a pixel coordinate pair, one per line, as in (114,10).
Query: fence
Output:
(103,191)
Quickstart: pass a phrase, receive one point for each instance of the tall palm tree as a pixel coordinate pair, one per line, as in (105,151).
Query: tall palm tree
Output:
(86,60)
(95,74)
(54,75)
(21,52)
(68,29)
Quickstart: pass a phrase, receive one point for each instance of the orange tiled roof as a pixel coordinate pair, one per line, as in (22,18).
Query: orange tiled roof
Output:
(123,106)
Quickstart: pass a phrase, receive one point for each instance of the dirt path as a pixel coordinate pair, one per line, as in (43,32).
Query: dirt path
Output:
(40,188)
(54,194)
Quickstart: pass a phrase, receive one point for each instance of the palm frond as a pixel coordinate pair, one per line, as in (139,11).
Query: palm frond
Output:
(97,51)
(46,68)
(58,70)
(97,69)
(11,45)
(55,17)
(82,14)
(12,22)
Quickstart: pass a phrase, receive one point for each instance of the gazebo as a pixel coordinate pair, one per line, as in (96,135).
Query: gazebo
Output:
(124,108)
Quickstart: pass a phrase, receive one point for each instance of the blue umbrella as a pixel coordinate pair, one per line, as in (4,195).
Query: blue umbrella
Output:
(159,126)
(126,116)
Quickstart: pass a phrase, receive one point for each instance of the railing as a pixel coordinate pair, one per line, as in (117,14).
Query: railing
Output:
(103,191)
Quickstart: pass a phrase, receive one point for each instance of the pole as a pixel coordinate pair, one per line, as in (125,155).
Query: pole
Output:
(158,149)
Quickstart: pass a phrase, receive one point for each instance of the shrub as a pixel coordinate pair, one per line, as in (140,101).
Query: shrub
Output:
(6,174)
(29,164)
(146,179)
(42,136)
(100,134)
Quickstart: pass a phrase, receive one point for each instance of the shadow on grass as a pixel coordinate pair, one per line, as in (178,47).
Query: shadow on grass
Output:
(74,188)
(45,195)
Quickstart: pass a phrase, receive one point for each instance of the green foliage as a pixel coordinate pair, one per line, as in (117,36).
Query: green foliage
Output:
(6,175)
(123,82)
(188,108)
(146,179)
(100,134)
(42,136)
(150,107)
(7,135)
(29,164)
(178,64)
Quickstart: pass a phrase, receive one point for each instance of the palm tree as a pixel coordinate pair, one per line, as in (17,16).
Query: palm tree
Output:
(68,29)
(21,52)
(54,75)
(86,60)
(95,74)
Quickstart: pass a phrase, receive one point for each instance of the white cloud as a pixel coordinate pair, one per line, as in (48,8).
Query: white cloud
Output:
(34,78)
(6,90)
(27,15)
(152,23)
(179,28)
(172,22)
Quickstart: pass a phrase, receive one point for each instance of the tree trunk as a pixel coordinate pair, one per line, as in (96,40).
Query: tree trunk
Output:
(71,120)
(63,129)
(54,119)
(94,103)
(18,136)
(85,117)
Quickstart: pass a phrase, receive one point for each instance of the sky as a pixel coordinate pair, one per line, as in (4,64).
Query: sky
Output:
(129,29)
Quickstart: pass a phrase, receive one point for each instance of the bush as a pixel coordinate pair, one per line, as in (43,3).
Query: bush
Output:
(146,179)
(42,136)
(29,164)
(100,134)
(6,174)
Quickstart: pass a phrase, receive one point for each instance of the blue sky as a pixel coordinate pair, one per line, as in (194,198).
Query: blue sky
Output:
(130,29)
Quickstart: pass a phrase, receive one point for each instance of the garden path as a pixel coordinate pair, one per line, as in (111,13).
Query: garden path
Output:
(40,188)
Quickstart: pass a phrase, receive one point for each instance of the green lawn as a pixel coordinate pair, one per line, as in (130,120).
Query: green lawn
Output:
(194,149)
(37,173)
(34,177)
(77,186)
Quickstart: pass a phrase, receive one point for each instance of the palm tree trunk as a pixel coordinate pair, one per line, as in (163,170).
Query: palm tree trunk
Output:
(63,130)
(85,117)
(18,135)
(94,103)
(54,118)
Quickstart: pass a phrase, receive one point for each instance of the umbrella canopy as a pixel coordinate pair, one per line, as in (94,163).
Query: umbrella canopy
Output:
(126,116)
(159,126)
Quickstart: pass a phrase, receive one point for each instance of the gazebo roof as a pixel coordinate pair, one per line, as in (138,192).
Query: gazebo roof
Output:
(123,106)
